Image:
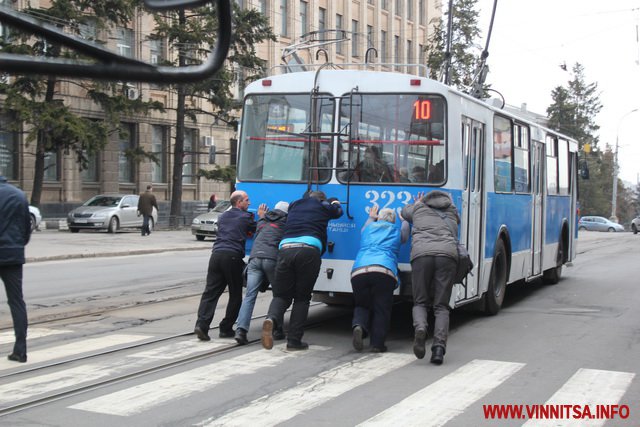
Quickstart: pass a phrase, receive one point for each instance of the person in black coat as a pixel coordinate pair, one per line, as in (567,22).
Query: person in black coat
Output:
(15,232)
(298,265)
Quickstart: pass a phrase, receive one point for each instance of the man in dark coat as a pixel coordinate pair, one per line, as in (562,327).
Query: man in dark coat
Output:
(262,265)
(226,265)
(298,265)
(146,203)
(15,231)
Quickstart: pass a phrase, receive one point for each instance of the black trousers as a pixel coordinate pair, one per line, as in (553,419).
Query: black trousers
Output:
(432,278)
(373,295)
(224,269)
(145,224)
(11,275)
(296,272)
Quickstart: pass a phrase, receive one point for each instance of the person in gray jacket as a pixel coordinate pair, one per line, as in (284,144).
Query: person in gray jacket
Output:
(434,257)
(262,265)
(15,232)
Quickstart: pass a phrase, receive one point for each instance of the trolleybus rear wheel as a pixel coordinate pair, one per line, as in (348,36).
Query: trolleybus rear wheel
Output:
(494,296)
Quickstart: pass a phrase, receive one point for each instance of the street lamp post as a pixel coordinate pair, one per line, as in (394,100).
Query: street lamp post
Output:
(614,193)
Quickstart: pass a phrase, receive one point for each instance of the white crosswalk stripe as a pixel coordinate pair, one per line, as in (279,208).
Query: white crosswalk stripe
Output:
(277,408)
(447,397)
(87,373)
(145,396)
(587,387)
(33,333)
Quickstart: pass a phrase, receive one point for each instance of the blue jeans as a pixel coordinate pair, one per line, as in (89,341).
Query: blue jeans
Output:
(256,270)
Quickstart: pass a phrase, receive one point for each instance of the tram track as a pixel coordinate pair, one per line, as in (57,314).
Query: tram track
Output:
(95,385)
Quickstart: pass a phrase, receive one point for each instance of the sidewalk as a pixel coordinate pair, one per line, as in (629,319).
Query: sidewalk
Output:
(49,245)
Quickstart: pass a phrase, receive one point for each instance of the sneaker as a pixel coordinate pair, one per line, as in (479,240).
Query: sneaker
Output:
(418,343)
(297,345)
(267,334)
(227,334)
(202,335)
(241,337)
(278,334)
(357,337)
(17,358)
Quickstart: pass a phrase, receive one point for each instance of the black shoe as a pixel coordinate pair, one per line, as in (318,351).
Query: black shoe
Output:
(437,355)
(227,334)
(357,337)
(17,358)
(297,345)
(381,349)
(278,334)
(267,334)
(418,343)
(241,336)
(202,335)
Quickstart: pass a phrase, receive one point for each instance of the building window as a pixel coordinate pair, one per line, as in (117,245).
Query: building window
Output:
(189,156)
(156,47)
(159,149)
(52,165)
(304,16)
(322,22)
(410,10)
(240,3)
(421,16)
(124,42)
(340,33)
(8,150)
(127,142)
(284,17)
(409,58)
(396,50)
(383,46)
(92,172)
(422,59)
(88,30)
(371,1)
(399,7)
(384,5)
(264,7)
(354,38)
(369,36)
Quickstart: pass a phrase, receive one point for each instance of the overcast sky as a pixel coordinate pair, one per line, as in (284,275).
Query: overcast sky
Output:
(532,38)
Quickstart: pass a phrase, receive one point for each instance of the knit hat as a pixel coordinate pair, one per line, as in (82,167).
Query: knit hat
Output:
(282,206)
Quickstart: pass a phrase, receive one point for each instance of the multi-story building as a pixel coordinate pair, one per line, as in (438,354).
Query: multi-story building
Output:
(397,29)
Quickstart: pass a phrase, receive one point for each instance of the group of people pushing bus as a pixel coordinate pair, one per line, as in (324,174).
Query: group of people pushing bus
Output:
(289,242)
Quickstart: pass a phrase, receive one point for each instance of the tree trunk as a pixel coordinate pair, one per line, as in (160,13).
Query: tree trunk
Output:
(41,149)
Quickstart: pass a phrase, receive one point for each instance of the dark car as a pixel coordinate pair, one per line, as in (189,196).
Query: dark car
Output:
(206,225)
(109,212)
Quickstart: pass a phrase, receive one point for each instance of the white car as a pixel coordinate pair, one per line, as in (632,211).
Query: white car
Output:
(635,225)
(109,212)
(36,218)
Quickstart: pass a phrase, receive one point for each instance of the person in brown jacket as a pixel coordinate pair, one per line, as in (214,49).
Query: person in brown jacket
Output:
(146,203)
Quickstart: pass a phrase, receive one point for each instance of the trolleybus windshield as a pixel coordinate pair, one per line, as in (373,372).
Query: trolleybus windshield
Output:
(276,140)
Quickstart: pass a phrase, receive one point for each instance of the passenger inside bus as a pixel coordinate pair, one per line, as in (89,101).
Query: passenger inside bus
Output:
(372,168)
(436,172)
(418,174)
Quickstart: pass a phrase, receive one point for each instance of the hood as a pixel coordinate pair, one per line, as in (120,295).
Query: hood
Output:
(275,215)
(437,199)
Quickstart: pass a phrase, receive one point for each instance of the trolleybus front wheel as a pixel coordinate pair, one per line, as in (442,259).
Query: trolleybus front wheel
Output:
(494,296)
(552,275)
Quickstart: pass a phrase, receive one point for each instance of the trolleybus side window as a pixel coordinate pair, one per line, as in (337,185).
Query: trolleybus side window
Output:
(521,160)
(393,138)
(502,154)
(552,164)
(563,167)
(276,141)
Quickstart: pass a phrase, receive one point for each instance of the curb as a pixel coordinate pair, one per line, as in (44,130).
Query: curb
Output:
(110,254)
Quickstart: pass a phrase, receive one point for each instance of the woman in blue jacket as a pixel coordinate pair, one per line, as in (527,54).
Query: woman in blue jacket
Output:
(374,277)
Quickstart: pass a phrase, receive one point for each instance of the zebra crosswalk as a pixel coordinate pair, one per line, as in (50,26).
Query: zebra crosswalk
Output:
(444,395)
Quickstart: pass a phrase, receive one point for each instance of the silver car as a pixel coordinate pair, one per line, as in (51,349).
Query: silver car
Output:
(598,223)
(635,225)
(206,225)
(36,218)
(109,212)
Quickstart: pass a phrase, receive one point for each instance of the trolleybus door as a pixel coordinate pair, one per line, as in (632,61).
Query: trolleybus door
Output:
(538,173)
(474,202)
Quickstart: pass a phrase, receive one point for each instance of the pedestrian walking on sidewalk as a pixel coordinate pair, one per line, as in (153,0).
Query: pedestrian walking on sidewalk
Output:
(298,265)
(262,265)
(146,203)
(15,231)
(226,265)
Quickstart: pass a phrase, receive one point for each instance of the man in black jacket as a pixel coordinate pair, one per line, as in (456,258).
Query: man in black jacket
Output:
(226,265)
(298,266)
(262,265)
(15,231)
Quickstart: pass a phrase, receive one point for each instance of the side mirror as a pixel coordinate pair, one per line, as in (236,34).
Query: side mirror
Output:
(583,169)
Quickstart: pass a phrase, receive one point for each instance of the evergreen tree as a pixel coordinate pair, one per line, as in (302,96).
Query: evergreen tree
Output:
(191,32)
(465,52)
(35,101)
